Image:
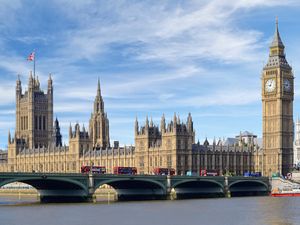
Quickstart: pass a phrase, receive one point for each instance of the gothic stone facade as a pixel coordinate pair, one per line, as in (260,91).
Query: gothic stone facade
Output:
(34,114)
(37,146)
(234,159)
(173,146)
(170,146)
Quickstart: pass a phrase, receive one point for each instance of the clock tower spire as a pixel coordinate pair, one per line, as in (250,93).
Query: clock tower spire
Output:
(277,105)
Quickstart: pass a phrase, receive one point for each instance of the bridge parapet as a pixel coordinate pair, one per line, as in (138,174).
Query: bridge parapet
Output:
(176,180)
(83,186)
(232,180)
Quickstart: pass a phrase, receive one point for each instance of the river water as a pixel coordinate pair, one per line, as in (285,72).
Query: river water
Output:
(227,211)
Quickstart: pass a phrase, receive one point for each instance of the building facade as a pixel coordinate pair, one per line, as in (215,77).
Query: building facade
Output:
(167,147)
(224,159)
(170,145)
(297,143)
(277,106)
(34,114)
(37,143)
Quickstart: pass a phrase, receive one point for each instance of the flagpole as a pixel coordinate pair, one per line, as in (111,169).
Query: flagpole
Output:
(34,64)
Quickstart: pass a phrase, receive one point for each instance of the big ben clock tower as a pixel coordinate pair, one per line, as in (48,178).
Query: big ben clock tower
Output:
(277,105)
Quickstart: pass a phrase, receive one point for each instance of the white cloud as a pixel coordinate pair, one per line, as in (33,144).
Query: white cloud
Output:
(178,45)
(7,95)
(7,112)
(230,97)
(160,32)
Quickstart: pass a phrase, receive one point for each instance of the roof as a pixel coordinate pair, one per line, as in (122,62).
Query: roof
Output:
(230,141)
(276,39)
(246,134)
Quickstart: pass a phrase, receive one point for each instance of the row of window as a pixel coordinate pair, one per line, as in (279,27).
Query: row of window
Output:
(24,122)
(40,122)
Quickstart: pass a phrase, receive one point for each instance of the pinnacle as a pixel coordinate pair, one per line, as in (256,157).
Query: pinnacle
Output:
(98,88)
(277,40)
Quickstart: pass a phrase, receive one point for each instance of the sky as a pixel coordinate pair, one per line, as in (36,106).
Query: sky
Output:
(152,57)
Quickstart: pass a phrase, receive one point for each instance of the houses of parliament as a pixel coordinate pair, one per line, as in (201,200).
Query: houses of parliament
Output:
(37,146)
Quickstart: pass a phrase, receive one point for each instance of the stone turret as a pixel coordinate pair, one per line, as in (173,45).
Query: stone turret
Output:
(206,143)
(151,122)
(57,138)
(146,126)
(18,88)
(9,137)
(190,123)
(79,139)
(175,121)
(163,124)
(70,131)
(136,126)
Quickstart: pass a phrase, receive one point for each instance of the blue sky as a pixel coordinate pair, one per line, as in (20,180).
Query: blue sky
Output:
(152,57)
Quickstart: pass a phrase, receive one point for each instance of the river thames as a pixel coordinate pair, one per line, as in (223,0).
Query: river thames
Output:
(227,211)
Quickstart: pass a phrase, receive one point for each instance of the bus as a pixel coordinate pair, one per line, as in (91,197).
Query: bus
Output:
(93,169)
(125,170)
(211,173)
(252,174)
(164,171)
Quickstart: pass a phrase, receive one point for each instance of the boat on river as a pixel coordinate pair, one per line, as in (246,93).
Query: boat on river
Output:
(286,192)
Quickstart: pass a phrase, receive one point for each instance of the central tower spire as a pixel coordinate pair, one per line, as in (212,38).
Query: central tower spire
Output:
(277,40)
(277,54)
(277,46)
(98,88)
(99,123)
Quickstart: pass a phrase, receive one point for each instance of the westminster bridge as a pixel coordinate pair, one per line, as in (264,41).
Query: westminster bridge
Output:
(56,187)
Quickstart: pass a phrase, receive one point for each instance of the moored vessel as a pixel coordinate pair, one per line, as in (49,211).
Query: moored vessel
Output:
(286,192)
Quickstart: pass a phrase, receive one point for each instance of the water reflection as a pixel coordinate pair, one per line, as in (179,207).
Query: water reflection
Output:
(278,210)
(228,211)
(19,200)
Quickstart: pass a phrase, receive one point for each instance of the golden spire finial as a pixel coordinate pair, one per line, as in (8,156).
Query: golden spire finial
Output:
(276,22)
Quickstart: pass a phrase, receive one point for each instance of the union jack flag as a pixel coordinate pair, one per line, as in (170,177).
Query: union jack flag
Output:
(31,56)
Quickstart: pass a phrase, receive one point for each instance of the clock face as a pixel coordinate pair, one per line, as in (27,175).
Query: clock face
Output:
(270,85)
(286,85)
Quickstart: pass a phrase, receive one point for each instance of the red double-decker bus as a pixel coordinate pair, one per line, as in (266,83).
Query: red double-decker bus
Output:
(164,171)
(208,173)
(125,170)
(93,169)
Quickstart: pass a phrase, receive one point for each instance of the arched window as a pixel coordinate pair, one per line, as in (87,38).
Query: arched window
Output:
(44,123)
(40,122)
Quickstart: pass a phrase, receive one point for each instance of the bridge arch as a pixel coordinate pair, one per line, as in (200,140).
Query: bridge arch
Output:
(248,187)
(33,181)
(135,188)
(198,188)
(53,189)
